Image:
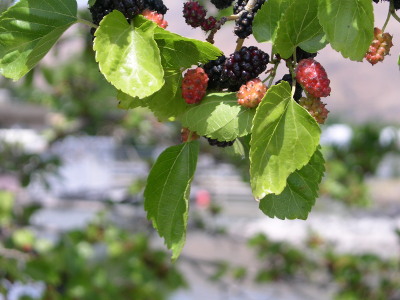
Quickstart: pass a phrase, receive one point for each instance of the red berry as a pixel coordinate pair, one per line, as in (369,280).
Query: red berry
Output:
(155,17)
(194,85)
(313,78)
(251,93)
(209,24)
(379,47)
(315,107)
(194,13)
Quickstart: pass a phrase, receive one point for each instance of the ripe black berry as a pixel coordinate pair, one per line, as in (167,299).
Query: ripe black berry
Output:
(223,144)
(156,5)
(299,90)
(243,25)
(130,8)
(221,4)
(301,54)
(214,70)
(243,65)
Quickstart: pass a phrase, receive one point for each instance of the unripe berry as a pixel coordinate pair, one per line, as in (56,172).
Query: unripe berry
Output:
(251,93)
(155,17)
(379,47)
(316,108)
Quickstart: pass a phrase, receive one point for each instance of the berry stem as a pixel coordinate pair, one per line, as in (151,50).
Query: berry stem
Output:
(88,23)
(289,64)
(239,44)
(388,16)
(218,26)
(393,12)
(271,77)
(250,5)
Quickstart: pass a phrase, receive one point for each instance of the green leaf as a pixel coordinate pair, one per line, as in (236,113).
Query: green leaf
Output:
(28,30)
(128,56)
(267,19)
(349,25)
(219,116)
(298,197)
(284,137)
(181,52)
(166,103)
(298,25)
(166,196)
(91,2)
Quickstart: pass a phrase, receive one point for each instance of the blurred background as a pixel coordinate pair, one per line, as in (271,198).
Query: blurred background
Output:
(73,167)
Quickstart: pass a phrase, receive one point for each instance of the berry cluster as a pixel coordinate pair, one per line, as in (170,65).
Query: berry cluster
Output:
(194,85)
(243,25)
(243,65)
(316,108)
(251,93)
(240,67)
(195,16)
(214,70)
(151,9)
(313,78)
(379,47)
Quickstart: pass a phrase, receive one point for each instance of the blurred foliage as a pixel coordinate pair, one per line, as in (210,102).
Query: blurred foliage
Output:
(100,261)
(347,166)
(14,160)
(356,276)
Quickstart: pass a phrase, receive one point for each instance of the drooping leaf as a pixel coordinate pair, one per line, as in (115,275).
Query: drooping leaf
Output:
(28,30)
(349,26)
(284,137)
(128,56)
(267,18)
(166,196)
(165,104)
(181,52)
(298,197)
(299,25)
(219,116)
